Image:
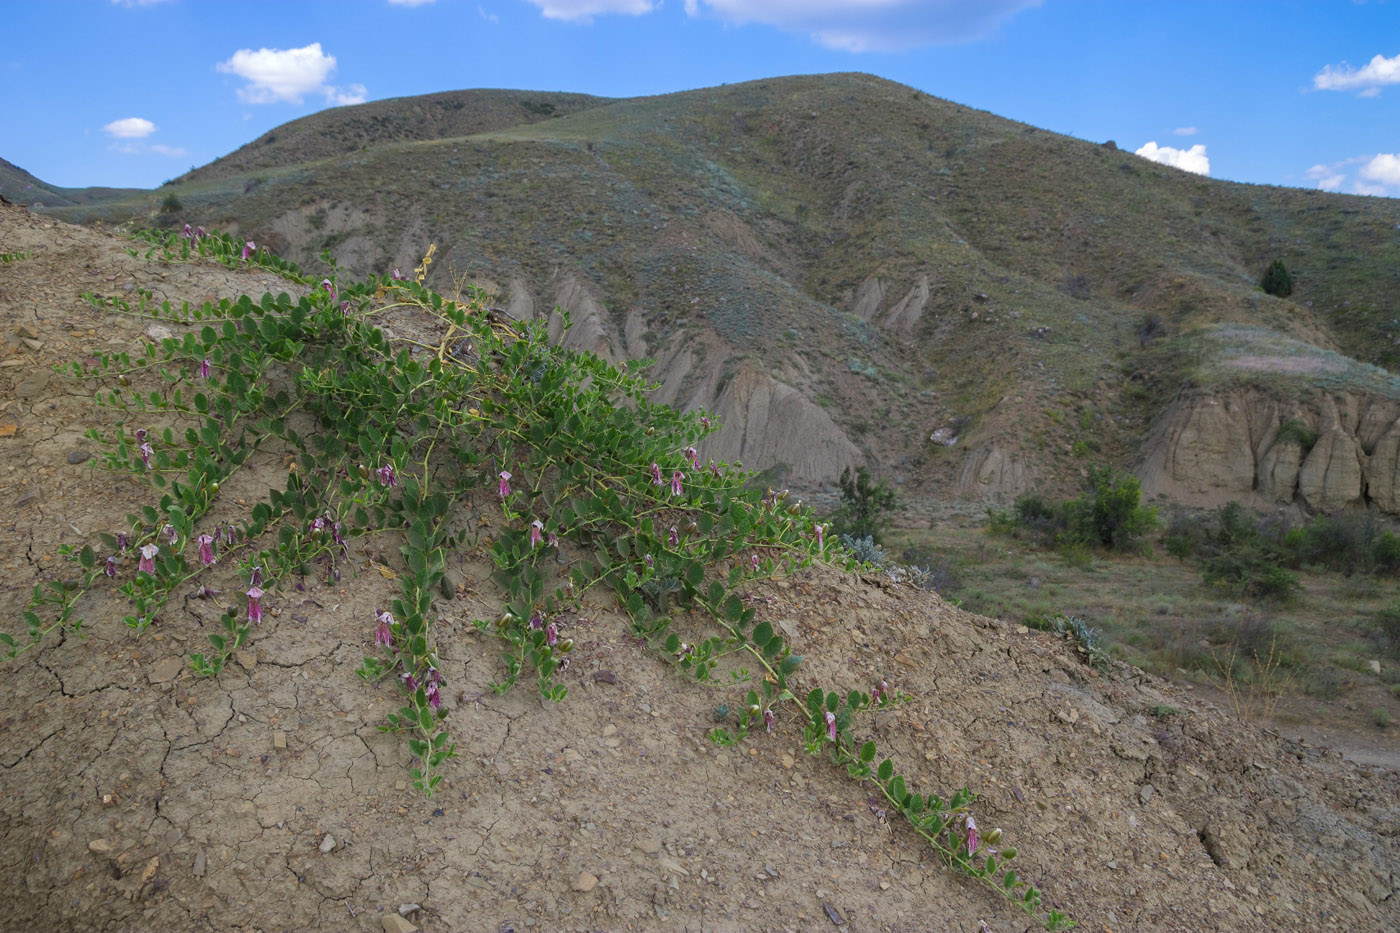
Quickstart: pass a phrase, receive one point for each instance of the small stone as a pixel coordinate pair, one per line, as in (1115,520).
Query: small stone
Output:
(167,670)
(1021,630)
(585,882)
(78,456)
(25,333)
(609,730)
(788,761)
(650,846)
(33,344)
(604,677)
(832,915)
(400,785)
(201,863)
(406,910)
(245,659)
(33,384)
(279,740)
(1145,792)
(393,923)
(100,846)
(159,332)
(884,885)
(328,844)
(1373,666)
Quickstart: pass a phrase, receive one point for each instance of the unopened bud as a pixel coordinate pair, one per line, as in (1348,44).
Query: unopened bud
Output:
(651,431)
(993,837)
(1008,853)
(565,646)
(692,529)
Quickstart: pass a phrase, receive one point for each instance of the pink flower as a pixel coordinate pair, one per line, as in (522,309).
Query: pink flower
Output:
(148,558)
(537,621)
(256,578)
(553,539)
(326,284)
(434,697)
(551,634)
(248,249)
(383,631)
(656,475)
(111,568)
(206,550)
(536,532)
(504,487)
(171,534)
(674,537)
(972,841)
(398,276)
(714,469)
(386,475)
(831,725)
(650,563)
(676,478)
(768,718)
(255,593)
(753,562)
(146,452)
(704,421)
(409,681)
(821,535)
(693,456)
(204,367)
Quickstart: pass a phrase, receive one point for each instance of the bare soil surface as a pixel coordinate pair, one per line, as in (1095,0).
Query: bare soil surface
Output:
(135,796)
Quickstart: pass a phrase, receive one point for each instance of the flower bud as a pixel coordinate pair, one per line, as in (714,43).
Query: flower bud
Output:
(565,645)
(993,837)
(651,431)
(692,529)
(1008,853)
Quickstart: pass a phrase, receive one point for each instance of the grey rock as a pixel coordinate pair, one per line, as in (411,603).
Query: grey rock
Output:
(79,456)
(328,844)
(1145,792)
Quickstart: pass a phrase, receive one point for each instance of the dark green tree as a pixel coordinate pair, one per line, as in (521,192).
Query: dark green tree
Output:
(864,502)
(1277,281)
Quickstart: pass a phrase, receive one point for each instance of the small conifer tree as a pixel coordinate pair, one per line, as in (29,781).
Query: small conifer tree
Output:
(1277,281)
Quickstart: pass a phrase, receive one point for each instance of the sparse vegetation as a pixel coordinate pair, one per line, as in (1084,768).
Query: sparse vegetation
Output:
(1277,281)
(1109,515)
(865,504)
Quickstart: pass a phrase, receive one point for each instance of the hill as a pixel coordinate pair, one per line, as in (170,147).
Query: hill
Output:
(136,795)
(848,270)
(20,187)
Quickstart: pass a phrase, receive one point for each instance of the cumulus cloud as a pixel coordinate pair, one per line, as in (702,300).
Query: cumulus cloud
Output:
(1384,169)
(585,10)
(1328,177)
(1374,174)
(1185,131)
(870,25)
(129,128)
(1368,80)
(288,74)
(1190,160)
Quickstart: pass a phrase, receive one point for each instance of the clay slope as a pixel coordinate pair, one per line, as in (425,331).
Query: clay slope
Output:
(136,797)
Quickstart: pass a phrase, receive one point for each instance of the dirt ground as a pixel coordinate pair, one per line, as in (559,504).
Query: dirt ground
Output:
(135,796)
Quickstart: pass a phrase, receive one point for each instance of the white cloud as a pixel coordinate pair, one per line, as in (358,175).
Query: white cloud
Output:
(585,10)
(287,74)
(158,149)
(1328,177)
(1190,160)
(870,25)
(1369,80)
(1185,131)
(129,128)
(1376,175)
(1383,169)
(489,17)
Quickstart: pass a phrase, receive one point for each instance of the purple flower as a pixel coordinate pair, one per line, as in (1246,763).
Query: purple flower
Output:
(147,563)
(676,478)
(122,541)
(336,534)
(536,532)
(326,284)
(146,452)
(504,487)
(650,563)
(409,681)
(248,249)
(693,456)
(656,475)
(821,536)
(345,308)
(673,538)
(318,524)
(753,562)
(704,421)
(551,634)
(768,718)
(714,469)
(141,435)
(398,276)
(111,568)
(255,593)
(171,534)
(256,579)
(228,534)
(553,539)
(831,725)
(434,698)
(204,366)
(383,633)
(537,621)
(972,841)
(387,476)
(206,550)
(188,232)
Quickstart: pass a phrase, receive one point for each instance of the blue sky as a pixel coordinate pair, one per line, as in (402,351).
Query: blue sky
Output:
(132,92)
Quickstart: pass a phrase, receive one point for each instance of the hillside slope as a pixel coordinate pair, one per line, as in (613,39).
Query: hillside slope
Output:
(138,796)
(845,269)
(20,187)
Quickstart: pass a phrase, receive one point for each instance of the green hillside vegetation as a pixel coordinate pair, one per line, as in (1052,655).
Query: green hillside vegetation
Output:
(19,186)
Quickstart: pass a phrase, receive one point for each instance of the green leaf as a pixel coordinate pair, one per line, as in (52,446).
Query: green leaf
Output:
(762,634)
(885,771)
(815,700)
(867,753)
(790,663)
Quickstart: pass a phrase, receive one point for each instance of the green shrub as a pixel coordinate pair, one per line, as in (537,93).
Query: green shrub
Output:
(1297,432)
(171,204)
(1111,512)
(864,504)
(1388,627)
(1386,553)
(1277,281)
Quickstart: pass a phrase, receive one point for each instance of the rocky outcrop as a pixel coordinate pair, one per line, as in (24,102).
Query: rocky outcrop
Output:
(1209,449)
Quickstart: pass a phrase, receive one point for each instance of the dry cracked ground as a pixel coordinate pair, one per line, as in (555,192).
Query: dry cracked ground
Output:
(136,796)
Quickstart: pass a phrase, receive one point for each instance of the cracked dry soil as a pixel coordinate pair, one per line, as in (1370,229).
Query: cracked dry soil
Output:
(134,796)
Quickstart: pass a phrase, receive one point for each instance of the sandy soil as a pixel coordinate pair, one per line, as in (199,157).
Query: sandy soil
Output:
(134,796)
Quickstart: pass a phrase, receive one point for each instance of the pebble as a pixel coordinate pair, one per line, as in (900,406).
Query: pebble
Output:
(33,344)
(201,862)
(393,923)
(245,658)
(25,333)
(585,882)
(167,670)
(609,730)
(407,909)
(650,846)
(279,740)
(78,456)
(100,846)
(1145,792)
(33,384)
(604,677)
(328,844)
